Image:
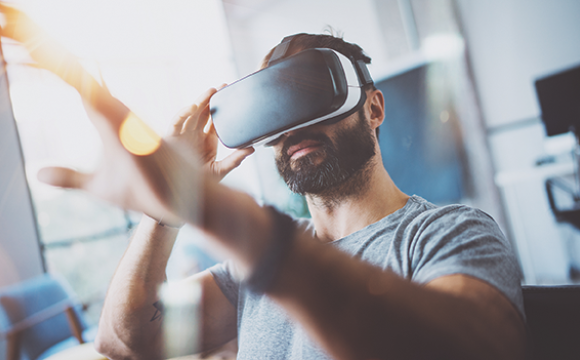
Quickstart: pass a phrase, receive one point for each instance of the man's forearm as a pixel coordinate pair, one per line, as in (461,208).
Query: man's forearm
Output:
(130,325)
(356,310)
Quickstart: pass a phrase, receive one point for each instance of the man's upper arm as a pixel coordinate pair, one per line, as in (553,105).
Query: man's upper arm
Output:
(498,316)
(218,314)
(463,240)
(463,253)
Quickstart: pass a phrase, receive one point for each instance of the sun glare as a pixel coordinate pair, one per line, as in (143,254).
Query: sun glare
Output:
(149,53)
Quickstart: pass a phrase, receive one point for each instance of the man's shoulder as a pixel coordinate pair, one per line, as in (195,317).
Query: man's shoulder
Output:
(419,216)
(422,221)
(426,212)
(453,225)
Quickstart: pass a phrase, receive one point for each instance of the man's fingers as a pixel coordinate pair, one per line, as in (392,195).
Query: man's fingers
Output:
(232,161)
(203,99)
(190,116)
(52,56)
(16,23)
(211,129)
(205,120)
(180,119)
(199,118)
(178,123)
(63,177)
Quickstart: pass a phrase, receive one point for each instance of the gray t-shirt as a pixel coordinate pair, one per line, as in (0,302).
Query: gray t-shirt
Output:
(420,242)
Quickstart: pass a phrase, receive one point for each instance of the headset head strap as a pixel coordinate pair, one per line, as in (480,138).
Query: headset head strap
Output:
(280,50)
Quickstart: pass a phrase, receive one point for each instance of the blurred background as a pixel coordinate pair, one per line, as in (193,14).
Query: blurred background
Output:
(463,124)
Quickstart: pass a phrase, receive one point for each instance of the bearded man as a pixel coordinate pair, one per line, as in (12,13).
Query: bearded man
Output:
(375,273)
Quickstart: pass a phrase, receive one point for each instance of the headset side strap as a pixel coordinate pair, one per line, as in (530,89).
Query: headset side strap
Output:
(363,73)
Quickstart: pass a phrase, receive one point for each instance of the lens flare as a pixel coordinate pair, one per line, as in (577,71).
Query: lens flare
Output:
(137,137)
(181,301)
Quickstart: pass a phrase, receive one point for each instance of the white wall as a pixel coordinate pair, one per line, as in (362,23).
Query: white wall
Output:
(256,26)
(511,43)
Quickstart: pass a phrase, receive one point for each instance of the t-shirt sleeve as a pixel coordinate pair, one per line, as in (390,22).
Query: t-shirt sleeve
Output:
(224,275)
(463,240)
(228,278)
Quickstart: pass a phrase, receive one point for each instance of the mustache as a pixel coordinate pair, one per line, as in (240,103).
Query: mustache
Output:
(298,138)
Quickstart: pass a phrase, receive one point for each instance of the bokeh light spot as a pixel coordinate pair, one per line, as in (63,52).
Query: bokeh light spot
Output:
(137,137)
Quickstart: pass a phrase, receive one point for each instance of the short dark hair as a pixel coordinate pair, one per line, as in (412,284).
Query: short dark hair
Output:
(305,41)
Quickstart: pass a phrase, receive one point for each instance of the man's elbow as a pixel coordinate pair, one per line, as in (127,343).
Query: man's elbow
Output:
(112,346)
(103,345)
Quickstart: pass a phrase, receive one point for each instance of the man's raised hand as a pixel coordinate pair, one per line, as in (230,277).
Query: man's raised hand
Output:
(193,129)
(139,170)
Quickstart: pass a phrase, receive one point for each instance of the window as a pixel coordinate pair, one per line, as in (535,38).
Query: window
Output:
(156,57)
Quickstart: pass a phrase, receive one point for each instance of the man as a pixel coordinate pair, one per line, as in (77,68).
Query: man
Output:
(376,274)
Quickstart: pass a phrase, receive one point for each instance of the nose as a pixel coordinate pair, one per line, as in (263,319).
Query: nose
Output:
(292,132)
(277,140)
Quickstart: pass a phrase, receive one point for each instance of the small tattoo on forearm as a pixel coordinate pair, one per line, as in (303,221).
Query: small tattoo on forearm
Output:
(158,305)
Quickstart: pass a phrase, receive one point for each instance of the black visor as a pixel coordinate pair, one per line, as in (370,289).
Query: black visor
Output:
(309,87)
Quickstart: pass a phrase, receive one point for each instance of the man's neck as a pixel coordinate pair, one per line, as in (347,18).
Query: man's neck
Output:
(342,212)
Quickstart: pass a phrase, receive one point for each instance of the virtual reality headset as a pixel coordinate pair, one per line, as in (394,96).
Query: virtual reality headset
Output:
(304,89)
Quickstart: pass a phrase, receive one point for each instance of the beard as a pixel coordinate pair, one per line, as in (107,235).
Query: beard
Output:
(348,156)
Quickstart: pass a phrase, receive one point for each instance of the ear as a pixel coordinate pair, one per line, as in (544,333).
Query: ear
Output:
(375,107)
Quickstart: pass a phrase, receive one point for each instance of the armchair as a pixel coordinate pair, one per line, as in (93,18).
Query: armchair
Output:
(39,317)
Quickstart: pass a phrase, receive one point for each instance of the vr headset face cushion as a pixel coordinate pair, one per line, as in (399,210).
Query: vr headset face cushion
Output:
(308,85)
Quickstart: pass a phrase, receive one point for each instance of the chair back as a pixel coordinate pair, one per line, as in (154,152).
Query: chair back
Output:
(553,319)
(35,309)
